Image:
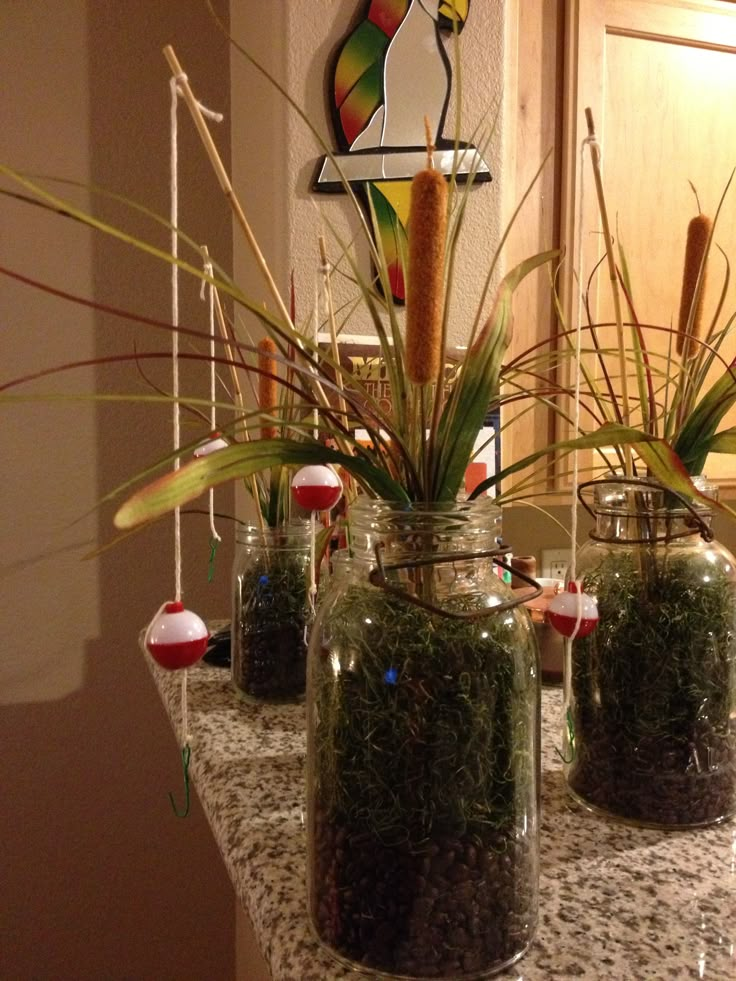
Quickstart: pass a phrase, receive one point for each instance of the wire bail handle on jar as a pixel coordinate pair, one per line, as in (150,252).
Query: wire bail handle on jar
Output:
(703,529)
(377,577)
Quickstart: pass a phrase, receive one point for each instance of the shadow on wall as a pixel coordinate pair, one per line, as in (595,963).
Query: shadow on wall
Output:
(100,879)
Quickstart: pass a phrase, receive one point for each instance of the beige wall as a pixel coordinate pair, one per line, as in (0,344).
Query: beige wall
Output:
(99,879)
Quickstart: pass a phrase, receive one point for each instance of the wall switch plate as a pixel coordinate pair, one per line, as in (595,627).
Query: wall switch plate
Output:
(555,562)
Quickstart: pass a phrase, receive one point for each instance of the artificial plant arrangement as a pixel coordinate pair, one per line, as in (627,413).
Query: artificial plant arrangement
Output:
(651,693)
(424,697)
(437,708)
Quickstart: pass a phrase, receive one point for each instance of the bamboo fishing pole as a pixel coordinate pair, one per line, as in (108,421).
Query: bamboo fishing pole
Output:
(227,189)
(595,156)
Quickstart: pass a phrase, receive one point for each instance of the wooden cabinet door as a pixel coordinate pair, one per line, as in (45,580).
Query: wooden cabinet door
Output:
(660,78)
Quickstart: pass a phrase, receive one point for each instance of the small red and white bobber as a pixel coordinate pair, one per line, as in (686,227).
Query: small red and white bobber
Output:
(215,442)
(316,487)
(176,637)
(565,608)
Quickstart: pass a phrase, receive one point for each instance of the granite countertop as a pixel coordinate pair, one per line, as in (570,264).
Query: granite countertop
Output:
(617,903)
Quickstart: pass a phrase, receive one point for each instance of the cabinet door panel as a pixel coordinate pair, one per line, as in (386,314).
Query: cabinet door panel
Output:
(660,78)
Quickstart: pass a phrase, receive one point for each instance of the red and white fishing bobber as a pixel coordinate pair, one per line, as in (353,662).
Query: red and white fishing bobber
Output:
(316,487)
(215,442)
(565,608)
(176,638)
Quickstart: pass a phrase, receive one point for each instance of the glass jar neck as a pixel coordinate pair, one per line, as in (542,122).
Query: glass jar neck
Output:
(635,514)
(294,535)
(410,530)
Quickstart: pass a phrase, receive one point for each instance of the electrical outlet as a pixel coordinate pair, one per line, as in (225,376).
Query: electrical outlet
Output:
(555,562)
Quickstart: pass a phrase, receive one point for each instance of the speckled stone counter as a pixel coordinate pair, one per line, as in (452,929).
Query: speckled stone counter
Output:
(616,903)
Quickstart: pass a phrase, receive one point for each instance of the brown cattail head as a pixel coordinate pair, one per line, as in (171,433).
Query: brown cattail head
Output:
(267,386)
(424,296)
(698,232)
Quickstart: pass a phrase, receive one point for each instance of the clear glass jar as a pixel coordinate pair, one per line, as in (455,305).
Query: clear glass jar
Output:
(270,612)
(423,750)
(650,694)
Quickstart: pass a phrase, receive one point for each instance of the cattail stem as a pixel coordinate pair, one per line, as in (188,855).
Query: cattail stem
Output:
(430,143)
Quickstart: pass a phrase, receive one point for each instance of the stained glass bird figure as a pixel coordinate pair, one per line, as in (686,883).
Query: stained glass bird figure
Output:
(390,73)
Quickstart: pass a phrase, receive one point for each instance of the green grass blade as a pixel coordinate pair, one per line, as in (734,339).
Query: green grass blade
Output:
(660,459)
(182,486)
(476,388)
(693,441)
(723,442)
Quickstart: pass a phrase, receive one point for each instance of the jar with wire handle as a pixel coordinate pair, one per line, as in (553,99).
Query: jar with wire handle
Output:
(650,695)
(423,712)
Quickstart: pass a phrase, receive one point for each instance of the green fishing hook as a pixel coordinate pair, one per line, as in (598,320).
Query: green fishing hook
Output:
(570,739)
(185,756)
(214,542)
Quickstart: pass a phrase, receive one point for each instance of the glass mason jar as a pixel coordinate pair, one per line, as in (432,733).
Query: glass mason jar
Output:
(650,694)
(423,703)
(270,612)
